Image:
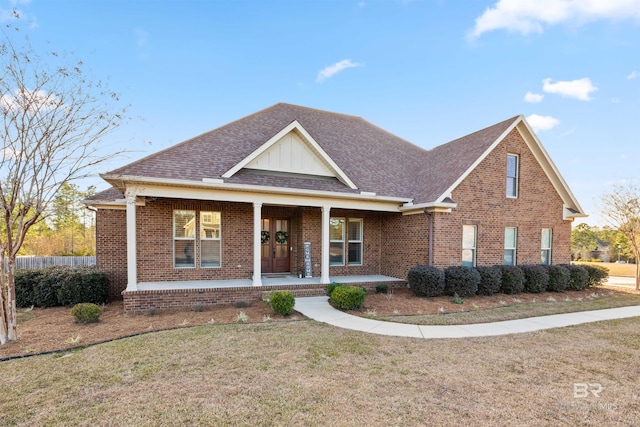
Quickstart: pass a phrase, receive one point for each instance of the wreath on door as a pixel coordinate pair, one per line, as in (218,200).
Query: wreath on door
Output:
(264,237)
(282,236)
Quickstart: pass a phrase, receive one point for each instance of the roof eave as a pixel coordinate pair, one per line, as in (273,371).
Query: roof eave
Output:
(122,181)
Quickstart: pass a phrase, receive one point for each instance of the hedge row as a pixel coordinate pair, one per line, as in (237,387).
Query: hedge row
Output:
(61,286)
(508,279)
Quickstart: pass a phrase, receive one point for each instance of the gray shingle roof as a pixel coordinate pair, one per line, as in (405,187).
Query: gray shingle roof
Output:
(374,159)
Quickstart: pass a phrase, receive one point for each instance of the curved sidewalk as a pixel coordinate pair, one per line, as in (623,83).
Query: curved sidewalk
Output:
(319,309)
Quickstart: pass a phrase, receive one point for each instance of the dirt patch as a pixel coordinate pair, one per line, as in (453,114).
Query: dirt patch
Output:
(48,329)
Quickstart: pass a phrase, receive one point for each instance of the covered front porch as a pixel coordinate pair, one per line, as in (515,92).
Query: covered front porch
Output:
(267,280)
(194,293)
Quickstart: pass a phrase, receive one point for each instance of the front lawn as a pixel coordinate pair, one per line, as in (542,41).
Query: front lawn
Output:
(306,373)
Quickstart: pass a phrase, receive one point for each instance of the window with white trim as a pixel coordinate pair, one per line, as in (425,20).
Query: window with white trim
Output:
(545,246)
(469,236)
(510,244)
(336,241)
(354,254)
(512,175)
(210,243)
(184,238)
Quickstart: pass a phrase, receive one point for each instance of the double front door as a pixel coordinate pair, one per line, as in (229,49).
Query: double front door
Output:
(275,245)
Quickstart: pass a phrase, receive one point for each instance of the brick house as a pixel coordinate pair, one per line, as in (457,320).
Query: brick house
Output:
(292,197)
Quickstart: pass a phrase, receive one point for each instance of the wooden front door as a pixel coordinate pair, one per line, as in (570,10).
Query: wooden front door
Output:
(275,245)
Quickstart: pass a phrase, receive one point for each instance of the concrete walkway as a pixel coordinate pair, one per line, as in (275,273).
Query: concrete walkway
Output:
(319,309)
(625,282)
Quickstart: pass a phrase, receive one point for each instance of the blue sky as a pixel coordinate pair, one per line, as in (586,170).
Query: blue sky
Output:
(427,70)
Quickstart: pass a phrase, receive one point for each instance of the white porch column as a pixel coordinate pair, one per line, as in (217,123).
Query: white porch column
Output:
(132,271)
(324,266)
(257,244)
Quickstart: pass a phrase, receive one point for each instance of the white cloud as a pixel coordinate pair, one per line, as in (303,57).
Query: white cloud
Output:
(633,75)
(527,17)
(331,70)
(533,98)
(579,89)
(542,123)
(28,100)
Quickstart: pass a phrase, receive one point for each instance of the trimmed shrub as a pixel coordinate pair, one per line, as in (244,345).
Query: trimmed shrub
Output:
(25,281)
(348,297)
(490,280)
(512,279)
(426,281)
(597,274)
(45,290)
(282,302)
(61,285)
(461,281)
(382,289)
(331,287)
(578,277)
(86,312)
(84,284)
(558,278)
(536,278)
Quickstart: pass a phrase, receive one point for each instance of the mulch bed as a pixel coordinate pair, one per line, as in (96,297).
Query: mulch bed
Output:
(54,329)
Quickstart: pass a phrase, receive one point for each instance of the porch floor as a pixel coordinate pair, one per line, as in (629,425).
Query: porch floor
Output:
(284,280)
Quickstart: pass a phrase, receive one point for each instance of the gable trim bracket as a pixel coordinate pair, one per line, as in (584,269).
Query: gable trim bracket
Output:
(444,207)
(568,213)
(295,125)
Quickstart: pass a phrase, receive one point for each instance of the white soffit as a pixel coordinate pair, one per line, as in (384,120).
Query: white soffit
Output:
(292,150)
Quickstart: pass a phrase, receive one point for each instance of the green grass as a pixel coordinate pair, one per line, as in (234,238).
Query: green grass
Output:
(517,311)
(306,373)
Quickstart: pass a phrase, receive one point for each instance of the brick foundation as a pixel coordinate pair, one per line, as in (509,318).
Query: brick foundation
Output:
(140,301)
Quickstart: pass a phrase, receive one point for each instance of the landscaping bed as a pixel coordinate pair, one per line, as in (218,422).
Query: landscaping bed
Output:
(49,329)
(402,305)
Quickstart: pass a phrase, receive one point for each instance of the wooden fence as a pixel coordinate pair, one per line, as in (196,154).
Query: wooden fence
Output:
(48,261)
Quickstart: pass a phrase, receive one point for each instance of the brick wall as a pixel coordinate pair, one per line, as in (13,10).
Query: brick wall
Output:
(482,201)
(405,243)
(111,248)
(155,241)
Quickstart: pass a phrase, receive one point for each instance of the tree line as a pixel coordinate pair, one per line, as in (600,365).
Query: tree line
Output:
(68,227)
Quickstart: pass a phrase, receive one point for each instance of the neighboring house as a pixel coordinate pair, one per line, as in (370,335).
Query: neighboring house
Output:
(232,213)
(602,251)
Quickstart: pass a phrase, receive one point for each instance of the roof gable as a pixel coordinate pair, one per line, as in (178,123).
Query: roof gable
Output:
(449,160)
(292,150)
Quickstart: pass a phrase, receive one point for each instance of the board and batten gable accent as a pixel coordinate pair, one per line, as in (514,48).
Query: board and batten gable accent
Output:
(291,155)
(294,126)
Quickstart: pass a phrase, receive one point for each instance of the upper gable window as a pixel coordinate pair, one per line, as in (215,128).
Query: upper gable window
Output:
(512,175)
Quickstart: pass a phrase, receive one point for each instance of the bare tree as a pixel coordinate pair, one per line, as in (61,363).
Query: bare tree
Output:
(51,120)
(621,208)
